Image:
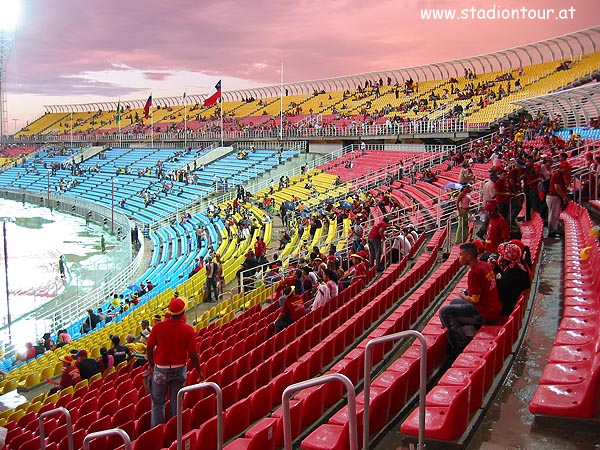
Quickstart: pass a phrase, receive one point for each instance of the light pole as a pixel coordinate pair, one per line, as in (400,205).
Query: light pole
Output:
(49,172)
(15,121)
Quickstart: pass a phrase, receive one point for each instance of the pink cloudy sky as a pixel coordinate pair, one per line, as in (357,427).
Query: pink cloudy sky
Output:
(71,51)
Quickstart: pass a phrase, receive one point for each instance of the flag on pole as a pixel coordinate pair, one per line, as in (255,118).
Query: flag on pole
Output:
(147,107)
(184,95)
(214,95)
(118,117)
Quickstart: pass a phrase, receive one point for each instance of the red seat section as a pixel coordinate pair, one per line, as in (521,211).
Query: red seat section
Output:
(570,384)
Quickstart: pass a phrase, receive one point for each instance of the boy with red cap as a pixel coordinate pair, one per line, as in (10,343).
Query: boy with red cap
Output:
(170,344)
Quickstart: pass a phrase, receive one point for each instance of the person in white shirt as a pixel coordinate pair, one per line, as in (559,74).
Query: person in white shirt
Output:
(322,296)
(487,193)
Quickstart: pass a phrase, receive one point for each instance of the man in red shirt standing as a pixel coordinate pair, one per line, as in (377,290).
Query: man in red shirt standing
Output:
(170,344)
(260,248)
(497,231)
(375,239)
(479,304)
(557,197)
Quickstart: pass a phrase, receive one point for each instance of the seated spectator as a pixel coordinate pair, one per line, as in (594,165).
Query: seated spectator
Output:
(105,361)
(357,271)
(70,375)
(512,278)
(64,338)
(119,352)
(145,333)
(88,367)
(39,348)
(90,322)
(284,239)
(292,309)
(48,341)
(321,297)
(138,350)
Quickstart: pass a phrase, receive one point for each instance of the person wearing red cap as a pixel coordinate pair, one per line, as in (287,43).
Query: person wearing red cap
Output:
(70,375)
(170,344)
(497,231)
(557,197)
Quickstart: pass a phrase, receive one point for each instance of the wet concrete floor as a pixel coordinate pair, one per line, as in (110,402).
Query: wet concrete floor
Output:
(508,424)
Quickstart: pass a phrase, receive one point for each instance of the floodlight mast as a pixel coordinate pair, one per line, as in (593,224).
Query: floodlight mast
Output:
(6,38)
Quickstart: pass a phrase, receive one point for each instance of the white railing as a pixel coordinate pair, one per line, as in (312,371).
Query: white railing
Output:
(447,125)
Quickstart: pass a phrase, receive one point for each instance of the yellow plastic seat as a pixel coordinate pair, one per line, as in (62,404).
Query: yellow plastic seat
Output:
(81,384)
(52,398)
(39,398)
(9,386)
(16,415)
(66,391)
(47,372)
(94,377)
(35,407)
(33,379)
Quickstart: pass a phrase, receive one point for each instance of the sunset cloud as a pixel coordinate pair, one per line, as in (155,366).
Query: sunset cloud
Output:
(123,48)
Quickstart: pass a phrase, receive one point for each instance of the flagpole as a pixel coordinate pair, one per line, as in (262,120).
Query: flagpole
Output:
(281,107)
(184,121)
(119,122)
(221,106)
(152,130)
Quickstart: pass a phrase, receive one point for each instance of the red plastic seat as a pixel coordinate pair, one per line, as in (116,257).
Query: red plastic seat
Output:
(236,418)
(83,422)
(474,377)
(151,439)
(143,423)
(259,437)
(261,402)
(109,409)
(207,435)
(295,421)
(446,414)
(170,429)
(327,437)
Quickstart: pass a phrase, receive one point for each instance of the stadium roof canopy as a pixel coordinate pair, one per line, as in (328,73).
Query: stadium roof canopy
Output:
(574,106)
(569,46)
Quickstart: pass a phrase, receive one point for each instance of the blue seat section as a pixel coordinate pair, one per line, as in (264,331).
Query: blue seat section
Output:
(126,179)
(239,171)
(584,132)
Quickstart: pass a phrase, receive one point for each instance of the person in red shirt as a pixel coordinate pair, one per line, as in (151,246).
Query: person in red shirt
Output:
(557,197)
(503,194)
(292,309)
(375,241)
(357,271)
(260,247)
(70,375)
(497,231)
(478,305)
(170,344)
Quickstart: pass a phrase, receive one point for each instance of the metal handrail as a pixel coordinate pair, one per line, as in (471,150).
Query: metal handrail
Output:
(422,382)
(104,433)
(453,125)
(285,404)
(195,387)
(69,424)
